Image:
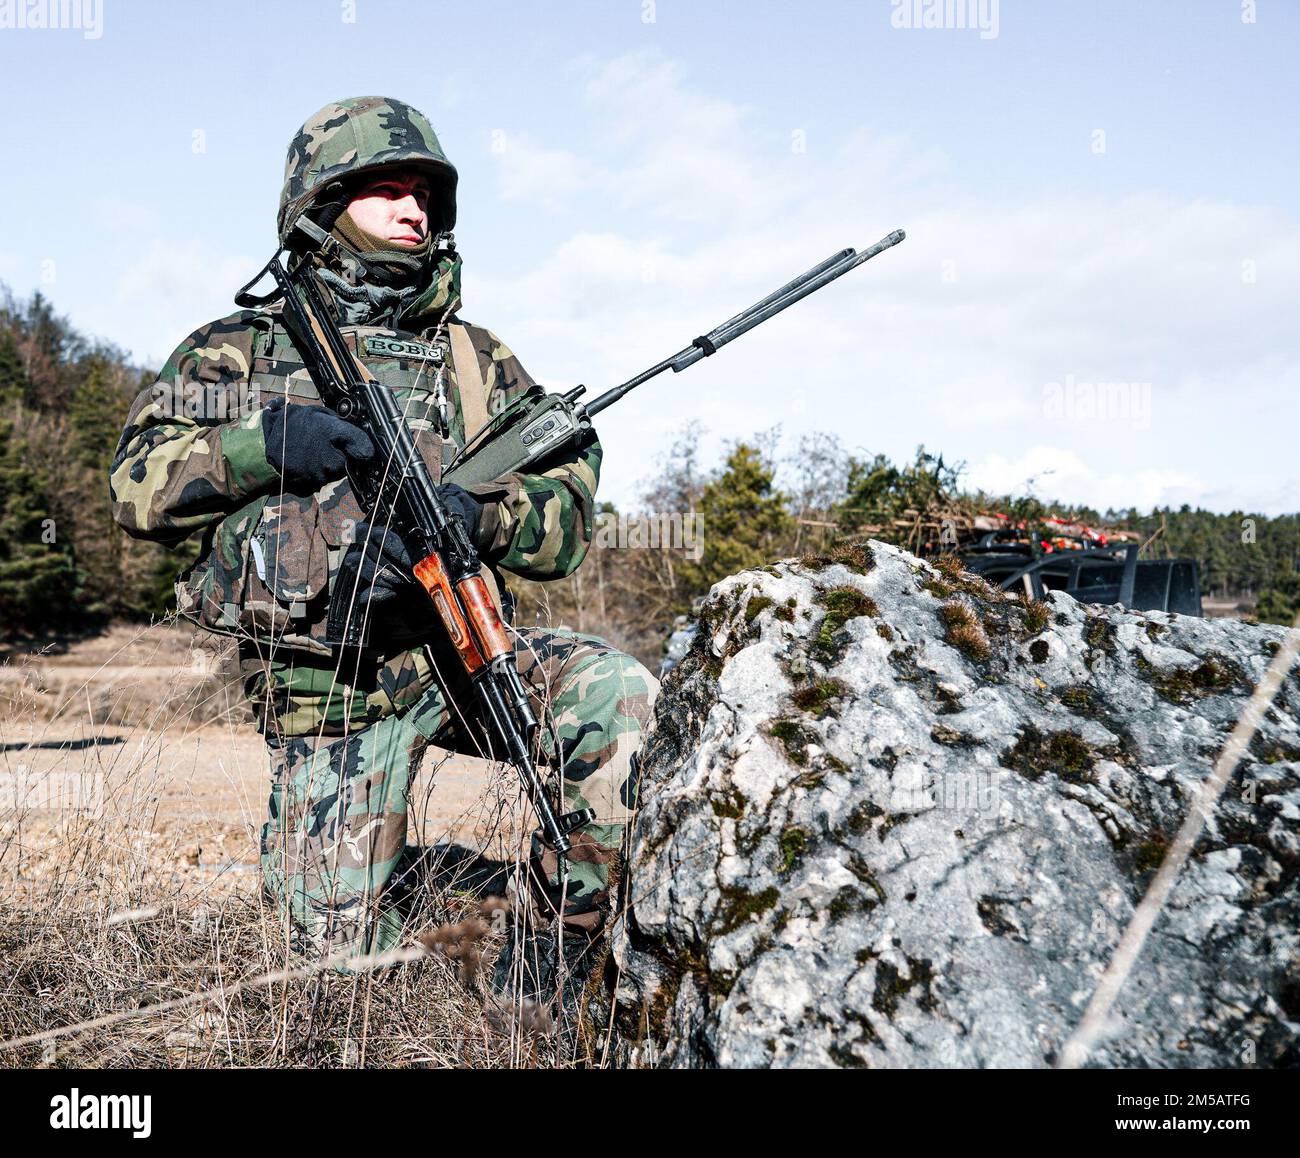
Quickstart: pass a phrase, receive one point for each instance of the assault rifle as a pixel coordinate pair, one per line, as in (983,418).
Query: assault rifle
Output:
(538,424)
(399,490)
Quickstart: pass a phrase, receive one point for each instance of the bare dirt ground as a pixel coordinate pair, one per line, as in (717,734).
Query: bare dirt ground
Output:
(133,928)
(147,728)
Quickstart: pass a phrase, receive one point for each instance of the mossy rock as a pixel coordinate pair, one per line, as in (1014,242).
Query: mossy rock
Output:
(1149,855)
(818,699)
(1065,754)
(1078,698)
(842,604)
(849,900)
(855,556)
(859,820)
(964,631)
(794,737)
(1211,676)
(741,906)
(1037,615)
(1099,634)
(941,734)
(892,986)
(793,842)
(730,807)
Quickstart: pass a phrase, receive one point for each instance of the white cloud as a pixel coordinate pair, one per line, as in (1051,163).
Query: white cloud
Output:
(170,290)
(949,340)
(120,215)
(1046,471)
(547,177)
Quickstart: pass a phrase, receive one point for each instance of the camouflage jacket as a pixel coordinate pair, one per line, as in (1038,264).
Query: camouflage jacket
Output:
(192,458)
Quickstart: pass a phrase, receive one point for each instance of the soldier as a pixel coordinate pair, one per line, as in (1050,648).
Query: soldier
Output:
(346,730)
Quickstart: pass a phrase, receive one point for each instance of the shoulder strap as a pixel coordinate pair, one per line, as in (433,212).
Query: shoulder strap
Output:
(469,380)
(473,408)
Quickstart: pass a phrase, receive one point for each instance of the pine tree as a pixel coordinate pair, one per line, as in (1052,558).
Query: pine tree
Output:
(38,576)
(13,382)
(96,411)
(746,519)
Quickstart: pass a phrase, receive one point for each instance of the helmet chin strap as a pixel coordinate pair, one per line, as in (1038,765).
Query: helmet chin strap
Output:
(365,291)
(390,268)
(388,264)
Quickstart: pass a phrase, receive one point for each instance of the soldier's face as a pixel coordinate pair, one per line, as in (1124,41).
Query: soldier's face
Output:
(394,206)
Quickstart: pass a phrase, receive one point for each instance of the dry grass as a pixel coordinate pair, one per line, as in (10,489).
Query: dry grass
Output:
(122,946)
(964,631)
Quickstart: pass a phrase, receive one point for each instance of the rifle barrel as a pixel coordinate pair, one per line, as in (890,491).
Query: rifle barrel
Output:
(821,274)
(834,259)
(773,305)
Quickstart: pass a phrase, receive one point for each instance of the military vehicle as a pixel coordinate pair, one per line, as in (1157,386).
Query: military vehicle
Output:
(1089,565)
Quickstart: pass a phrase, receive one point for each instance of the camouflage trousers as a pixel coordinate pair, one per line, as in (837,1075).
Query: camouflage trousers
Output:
(338,807)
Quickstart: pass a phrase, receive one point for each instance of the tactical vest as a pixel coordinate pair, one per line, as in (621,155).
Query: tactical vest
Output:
(265,571)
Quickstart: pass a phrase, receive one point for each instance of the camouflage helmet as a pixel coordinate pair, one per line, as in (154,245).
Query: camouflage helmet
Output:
(358,135)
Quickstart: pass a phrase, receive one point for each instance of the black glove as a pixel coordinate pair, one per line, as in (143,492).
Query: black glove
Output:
(310,445)
(377,563)
(459,500)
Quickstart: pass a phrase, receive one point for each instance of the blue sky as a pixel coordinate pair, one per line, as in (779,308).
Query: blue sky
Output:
(633,173)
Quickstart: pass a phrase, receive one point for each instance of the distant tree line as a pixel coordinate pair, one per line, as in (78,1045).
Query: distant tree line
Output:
(64,565)
(761,504)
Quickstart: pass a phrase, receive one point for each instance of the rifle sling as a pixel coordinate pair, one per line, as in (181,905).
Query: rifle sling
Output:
(469,381)
(473,409)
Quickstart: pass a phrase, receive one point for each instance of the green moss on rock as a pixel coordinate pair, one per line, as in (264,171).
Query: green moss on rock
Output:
(794,737)
(730,807)
(1273,751)
(941,734)
(938,588)
(1078,697)
(842,604)
(964,631)
(740,906)
(1065,754)
(892,986)
(793,842)
(1211,676)
(1150,853)
(1099,633)
(1037,616)
(859,820)
(817,699)
(848,900)
(855,556)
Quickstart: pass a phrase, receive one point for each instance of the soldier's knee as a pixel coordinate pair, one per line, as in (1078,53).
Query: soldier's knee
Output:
(637,689)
